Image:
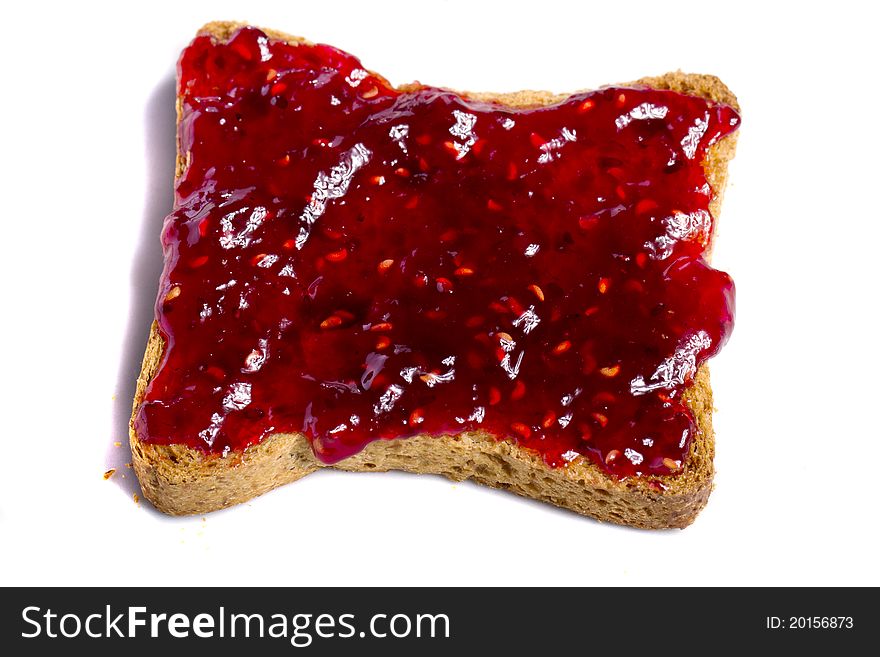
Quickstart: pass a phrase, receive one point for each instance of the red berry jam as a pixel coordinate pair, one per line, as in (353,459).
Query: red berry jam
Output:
(358,263)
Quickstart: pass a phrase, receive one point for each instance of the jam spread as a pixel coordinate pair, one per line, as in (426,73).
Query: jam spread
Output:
(359,263)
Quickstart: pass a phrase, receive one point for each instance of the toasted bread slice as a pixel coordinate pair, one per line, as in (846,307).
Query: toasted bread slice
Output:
(180,480)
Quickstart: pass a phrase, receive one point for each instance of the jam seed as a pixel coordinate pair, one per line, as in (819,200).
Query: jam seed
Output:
(416,417)
(588,363)
(215,372)
(588,222)
(385,265)
(444,284)
(646,205)
(587,105)
(621,99)
(372,92)
(331,322)
(284,160)
(548,420)
(515,306)
(337,256)
(600,418)
(381,326)
(451,147)
(537,291)
(383,343)
(611,371)
(521,429)
(173,293)
(464,271)
(332,233)
(494,396)
(270,74)
(519,391)
(378,180)
(604,398)
(592,310)
(278,88)
(641,259)
(604,284)
(484,339)
(612,456)
(494,206)
(403,172)
(504,337)
(562,347)
(634,286)
(671,464)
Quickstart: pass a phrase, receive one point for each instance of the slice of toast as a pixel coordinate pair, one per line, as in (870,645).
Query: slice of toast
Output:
(181,480)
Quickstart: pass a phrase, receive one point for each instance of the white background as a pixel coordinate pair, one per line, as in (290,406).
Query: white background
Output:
(87,136)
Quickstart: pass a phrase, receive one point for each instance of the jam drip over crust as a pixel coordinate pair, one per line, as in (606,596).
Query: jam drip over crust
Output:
(358,263)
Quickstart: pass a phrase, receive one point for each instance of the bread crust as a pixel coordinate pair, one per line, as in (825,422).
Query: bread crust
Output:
(180,480)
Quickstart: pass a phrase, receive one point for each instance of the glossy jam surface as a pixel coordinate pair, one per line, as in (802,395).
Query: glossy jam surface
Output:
(357,263)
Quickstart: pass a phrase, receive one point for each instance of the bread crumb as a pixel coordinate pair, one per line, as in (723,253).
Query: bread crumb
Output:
(113,397)
(128,465)
(109,473)
(117,444)
(136,498)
